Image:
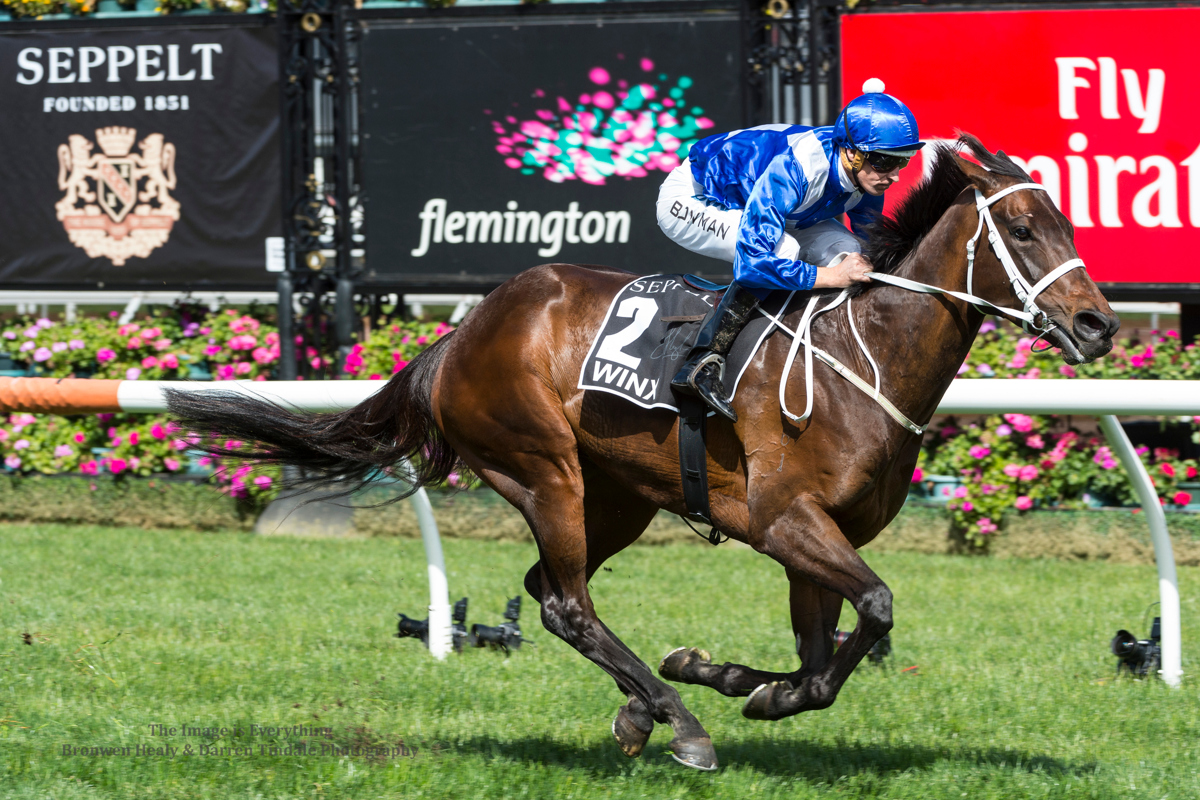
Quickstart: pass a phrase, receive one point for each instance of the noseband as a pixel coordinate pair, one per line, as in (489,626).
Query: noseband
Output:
(1033,320)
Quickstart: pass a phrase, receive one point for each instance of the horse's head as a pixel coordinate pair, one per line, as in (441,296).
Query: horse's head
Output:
(1039,240)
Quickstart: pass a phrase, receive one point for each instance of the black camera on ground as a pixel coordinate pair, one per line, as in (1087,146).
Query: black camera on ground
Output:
(419,628)
(879,651)
(505,636)
(1140,656)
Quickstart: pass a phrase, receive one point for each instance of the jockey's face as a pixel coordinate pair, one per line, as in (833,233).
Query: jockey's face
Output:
(869,179)
(874,182)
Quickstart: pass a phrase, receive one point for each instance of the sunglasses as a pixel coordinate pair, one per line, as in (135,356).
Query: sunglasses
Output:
(886,162)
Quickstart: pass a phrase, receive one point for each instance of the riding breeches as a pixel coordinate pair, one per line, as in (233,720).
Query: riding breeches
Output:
(710,230)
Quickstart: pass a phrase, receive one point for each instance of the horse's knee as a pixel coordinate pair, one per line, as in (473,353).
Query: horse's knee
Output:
(875,610)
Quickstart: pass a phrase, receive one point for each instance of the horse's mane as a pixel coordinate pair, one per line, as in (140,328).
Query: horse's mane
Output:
(891,239)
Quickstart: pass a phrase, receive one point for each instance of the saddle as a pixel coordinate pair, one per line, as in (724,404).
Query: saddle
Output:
(645,338)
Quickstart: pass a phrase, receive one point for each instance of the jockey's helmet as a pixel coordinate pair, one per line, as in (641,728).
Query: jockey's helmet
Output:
(878,128)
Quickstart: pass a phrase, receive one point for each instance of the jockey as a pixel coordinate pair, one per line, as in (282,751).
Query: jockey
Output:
(767,199)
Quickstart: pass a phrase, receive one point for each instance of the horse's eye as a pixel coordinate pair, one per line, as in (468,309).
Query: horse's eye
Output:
(1022,234)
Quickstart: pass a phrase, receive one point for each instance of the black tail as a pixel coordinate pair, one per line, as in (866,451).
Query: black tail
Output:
(394,425)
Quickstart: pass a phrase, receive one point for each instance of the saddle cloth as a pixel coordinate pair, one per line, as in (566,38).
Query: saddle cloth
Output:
(648,332)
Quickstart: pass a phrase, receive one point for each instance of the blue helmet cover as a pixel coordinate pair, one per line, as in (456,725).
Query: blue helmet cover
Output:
(876,121)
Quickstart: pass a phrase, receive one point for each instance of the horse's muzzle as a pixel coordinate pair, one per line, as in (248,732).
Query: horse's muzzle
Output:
(1089,337)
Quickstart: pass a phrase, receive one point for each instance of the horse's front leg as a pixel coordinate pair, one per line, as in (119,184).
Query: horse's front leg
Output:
(809,543)
(815,613)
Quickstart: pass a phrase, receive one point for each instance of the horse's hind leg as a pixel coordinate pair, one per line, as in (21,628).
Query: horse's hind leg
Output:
(614,518)
(547,484)
(815,613)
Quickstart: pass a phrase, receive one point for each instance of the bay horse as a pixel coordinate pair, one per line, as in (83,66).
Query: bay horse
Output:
(588,471)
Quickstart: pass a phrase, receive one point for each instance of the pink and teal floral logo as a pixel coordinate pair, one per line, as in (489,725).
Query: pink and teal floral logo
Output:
(616,129)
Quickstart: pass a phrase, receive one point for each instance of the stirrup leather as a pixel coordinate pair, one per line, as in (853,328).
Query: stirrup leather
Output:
(708,358)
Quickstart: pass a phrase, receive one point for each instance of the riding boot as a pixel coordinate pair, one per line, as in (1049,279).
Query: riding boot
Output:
(702,373)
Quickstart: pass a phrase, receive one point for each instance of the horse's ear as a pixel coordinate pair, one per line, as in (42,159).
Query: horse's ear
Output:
(980,177)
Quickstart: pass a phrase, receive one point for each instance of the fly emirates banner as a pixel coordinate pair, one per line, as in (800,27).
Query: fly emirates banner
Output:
(1099,106)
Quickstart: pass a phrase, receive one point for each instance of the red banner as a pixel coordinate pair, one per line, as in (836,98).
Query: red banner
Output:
(1100,106)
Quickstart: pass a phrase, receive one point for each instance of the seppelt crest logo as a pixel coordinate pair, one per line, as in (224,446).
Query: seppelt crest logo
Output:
(117,203)
(1099,106)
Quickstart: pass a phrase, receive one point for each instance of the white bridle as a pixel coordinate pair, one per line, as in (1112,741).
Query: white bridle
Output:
(1030,316)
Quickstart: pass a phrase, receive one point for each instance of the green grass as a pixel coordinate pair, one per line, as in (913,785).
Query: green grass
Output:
(1014,695)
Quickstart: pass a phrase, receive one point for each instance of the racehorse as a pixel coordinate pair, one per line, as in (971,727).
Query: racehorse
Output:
(588,472)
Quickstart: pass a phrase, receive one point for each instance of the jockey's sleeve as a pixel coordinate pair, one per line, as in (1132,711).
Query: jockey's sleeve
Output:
(863,214)
(780,188)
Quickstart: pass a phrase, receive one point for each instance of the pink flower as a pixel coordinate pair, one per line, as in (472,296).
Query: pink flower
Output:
(104,354)
(243,367)
(42,354)
(1012,470)
(149,362)
(1167,470)
(1024,502)
(63,450)
(162,344)
(1181,498)
(128,330)
(133,438)
(20,444)
(1034,440)
(262,355)
(1021,422)
(986,526)
(212,350)
(58,347)
(1191,473)
(1066,371)
(1104,458)
(75,344)
(117,465)
(12,462)
(918,473)
(262,481)
(980,451)
(375,377)
(169,361)
(89,467)
(960,491)
(158,431)
(133,344)
(132,374)
(316,362)
(968,506)
(79,437)
(1029,473)
(171,464)
(225,372)
(422,340)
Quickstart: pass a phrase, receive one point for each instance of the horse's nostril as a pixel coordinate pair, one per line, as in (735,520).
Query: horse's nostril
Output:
(1091,325)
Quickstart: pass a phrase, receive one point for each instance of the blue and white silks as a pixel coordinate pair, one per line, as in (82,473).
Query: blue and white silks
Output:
(757,188)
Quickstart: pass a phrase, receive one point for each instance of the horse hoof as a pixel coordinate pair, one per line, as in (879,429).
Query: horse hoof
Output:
(677,663)
(630,738)
(764,702)
(695,753)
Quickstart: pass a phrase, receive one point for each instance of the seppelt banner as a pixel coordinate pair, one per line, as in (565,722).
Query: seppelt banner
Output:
(139,157)
(537,140)
(1100,106)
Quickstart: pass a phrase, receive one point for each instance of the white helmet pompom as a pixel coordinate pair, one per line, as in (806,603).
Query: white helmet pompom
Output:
(873,86)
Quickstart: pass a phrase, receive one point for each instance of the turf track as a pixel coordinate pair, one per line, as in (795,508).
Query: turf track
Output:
(1014,695)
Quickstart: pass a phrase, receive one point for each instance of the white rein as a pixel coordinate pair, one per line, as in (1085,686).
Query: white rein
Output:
(1032,318)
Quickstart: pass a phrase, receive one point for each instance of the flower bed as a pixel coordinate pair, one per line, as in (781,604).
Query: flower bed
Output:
(229,345)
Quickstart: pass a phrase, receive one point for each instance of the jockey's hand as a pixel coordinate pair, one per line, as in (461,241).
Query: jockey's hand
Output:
(853,269)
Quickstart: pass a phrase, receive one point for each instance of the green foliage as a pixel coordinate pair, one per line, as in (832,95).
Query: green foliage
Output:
(1013,463)
(33,8)
(130,628)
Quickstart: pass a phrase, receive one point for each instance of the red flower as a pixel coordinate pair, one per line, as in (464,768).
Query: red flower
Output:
(1181,498)
(1167,470)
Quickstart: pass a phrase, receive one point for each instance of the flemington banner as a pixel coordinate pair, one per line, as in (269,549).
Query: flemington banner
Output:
(139,157)
(537,140)
(1100,106)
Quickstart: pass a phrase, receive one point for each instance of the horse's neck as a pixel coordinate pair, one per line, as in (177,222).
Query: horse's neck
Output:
(920,340)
